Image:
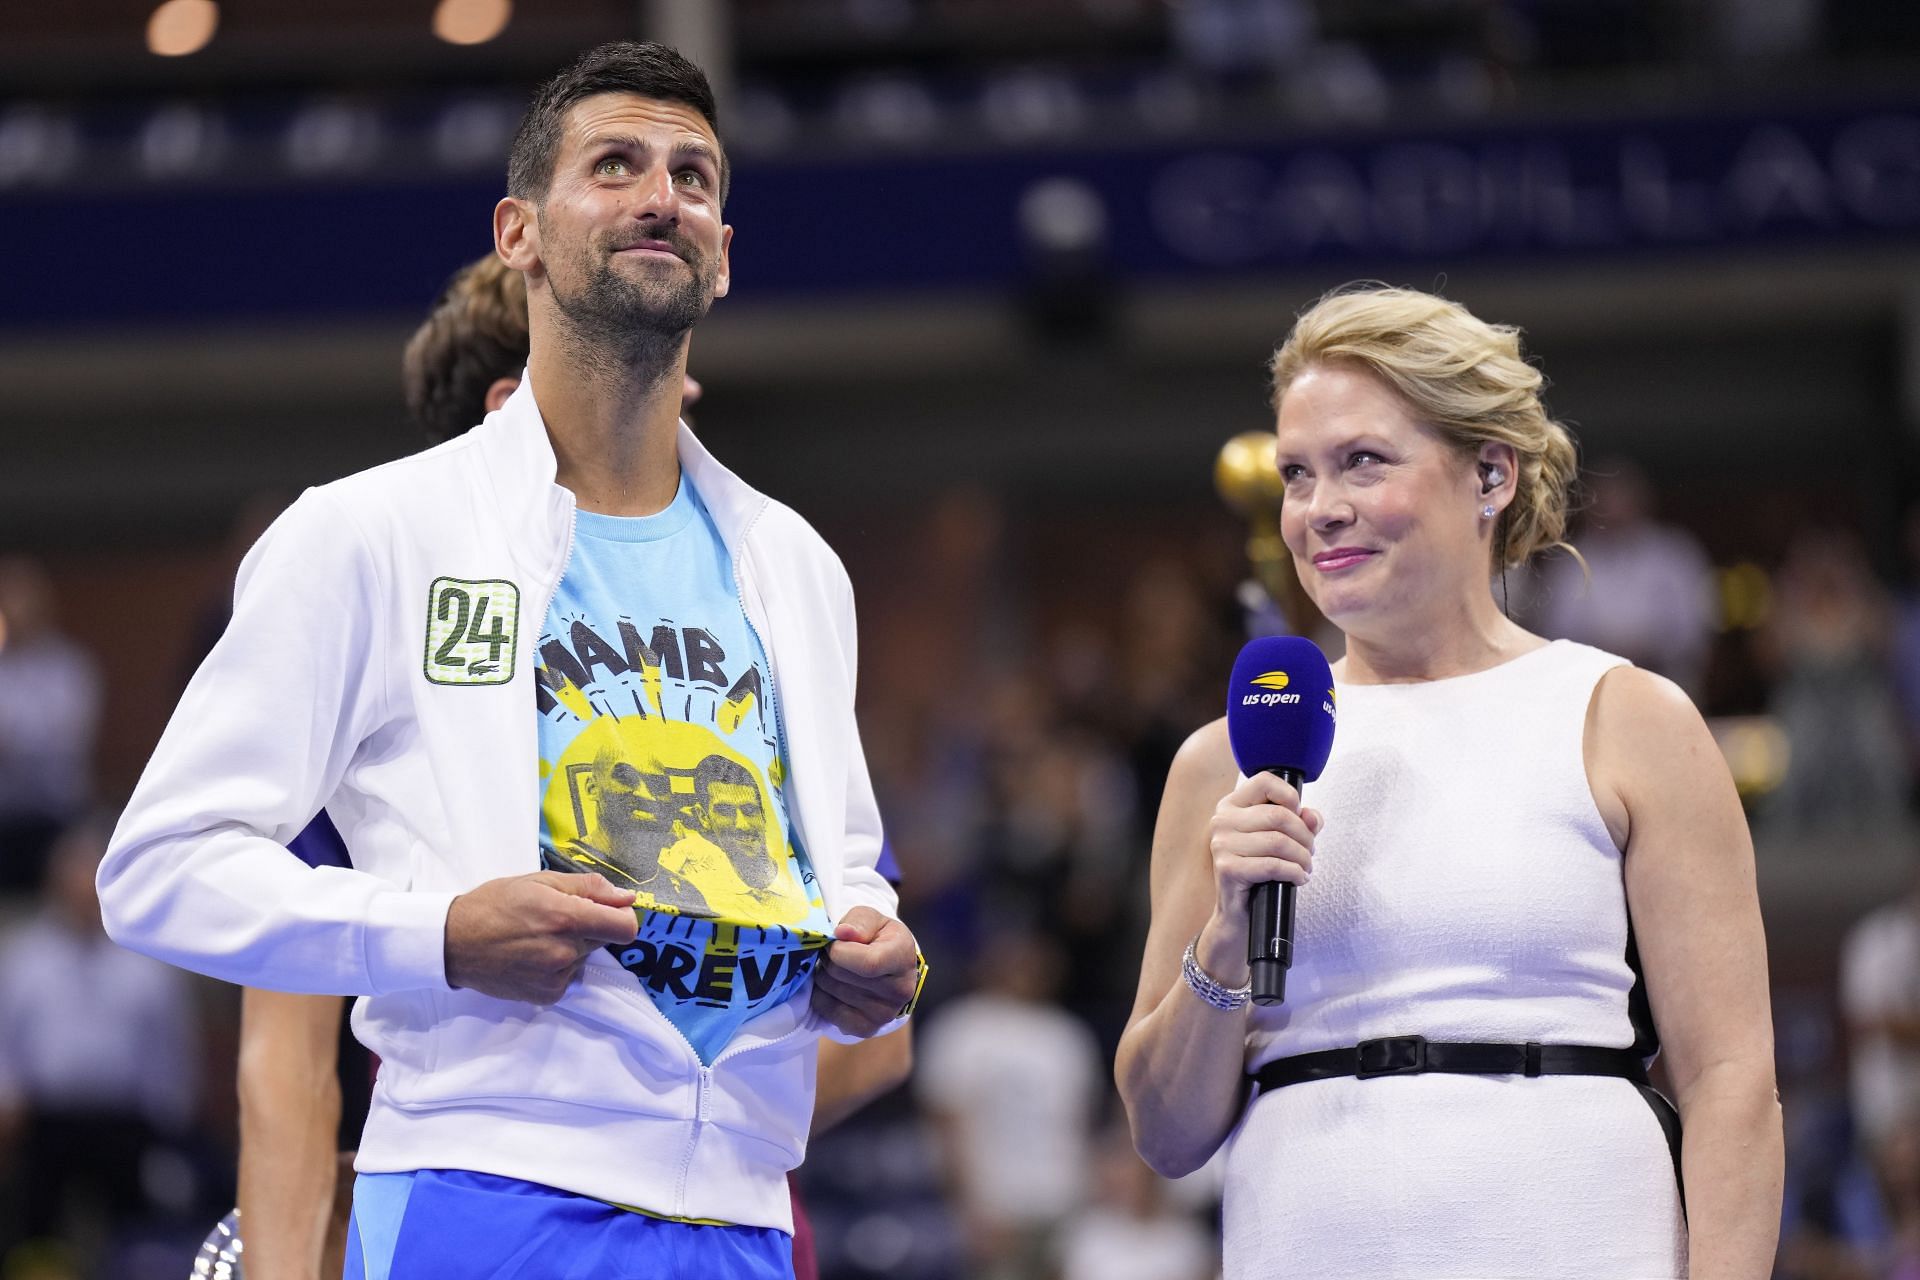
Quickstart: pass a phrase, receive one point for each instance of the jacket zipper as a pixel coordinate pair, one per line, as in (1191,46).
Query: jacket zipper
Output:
(702,1073)
(773,684)
(773,690)
(702,1104)
(566,557)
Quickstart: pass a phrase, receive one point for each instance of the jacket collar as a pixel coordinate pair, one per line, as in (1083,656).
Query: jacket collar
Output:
(520,464)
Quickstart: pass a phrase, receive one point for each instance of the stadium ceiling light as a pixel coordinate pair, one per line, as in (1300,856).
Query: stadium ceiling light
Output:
(37,145)
(471,21)
(180,141)
(334,136)
(180,27)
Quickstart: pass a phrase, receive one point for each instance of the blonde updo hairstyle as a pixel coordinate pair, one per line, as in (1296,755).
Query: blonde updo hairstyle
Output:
(1462,377)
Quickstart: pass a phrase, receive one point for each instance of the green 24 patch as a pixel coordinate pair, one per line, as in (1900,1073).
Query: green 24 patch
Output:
(472,629)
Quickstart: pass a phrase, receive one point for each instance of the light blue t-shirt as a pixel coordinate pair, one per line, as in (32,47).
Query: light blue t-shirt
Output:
(662,767)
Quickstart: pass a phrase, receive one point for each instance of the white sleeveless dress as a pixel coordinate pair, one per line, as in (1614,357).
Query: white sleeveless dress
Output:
(1464,888)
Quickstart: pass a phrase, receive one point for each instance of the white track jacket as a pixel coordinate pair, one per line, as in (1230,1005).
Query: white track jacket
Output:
(350,680)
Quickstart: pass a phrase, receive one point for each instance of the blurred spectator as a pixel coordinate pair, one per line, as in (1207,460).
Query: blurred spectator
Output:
(97,1058)
(1011,1083)
(49,710)
(249,522)
(1827,636)
(1771,33)
(1906,643)
(1062,853)
(1651,594)
(1230,36)
(1132,1231)
(1880,1238)
(1898,1165)
(1831,1207)
(1176,654)
(1880,997)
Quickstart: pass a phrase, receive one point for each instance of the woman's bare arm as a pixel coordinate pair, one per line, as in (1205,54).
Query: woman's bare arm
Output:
(1666,793)
(1181,1060)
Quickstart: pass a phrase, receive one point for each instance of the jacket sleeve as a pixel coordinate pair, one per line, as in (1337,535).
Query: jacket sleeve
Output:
(863,884)
(197,873)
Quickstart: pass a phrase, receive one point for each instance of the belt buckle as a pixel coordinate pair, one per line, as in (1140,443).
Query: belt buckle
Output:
(1391,1056)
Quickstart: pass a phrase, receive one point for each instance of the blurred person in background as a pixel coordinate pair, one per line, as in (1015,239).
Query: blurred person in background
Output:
(1830,1202)
(1012,1084)
(1877,1235)
(466,358)
(1880,998)
(1897,1167)
(1527,860)
(1827,639)
(1906,647)
(1132,1230)
(1646,591)
(305,1083)
(624,1138)
(1058,849)
(49,714)
(98,1061)
(1172,653)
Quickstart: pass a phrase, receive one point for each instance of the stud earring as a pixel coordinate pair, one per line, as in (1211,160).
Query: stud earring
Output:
(1486,512)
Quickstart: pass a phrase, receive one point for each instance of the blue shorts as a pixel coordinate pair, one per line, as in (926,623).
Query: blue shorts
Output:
(448,1224)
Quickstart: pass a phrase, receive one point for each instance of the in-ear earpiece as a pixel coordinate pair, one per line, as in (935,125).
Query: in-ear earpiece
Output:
(1492,481)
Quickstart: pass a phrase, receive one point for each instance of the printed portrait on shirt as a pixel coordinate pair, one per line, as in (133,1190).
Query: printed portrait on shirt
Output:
(668,810)
(663,767)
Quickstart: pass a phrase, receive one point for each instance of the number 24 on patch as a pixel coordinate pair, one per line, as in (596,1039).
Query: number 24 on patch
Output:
(471,630)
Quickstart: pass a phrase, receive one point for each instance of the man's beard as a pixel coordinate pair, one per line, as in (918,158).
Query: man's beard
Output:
(634,317)
(752,864)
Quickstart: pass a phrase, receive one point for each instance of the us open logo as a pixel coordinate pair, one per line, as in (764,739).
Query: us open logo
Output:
(1274,682)
(472,630)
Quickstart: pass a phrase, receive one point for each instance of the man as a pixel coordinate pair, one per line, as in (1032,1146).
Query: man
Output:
(300,1101)
(395,623)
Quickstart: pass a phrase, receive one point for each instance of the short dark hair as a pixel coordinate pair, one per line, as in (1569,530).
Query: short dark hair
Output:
(642,68)
(475,335)
(716,770)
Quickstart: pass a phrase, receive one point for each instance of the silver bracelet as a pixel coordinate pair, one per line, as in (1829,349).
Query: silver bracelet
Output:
(1214,993)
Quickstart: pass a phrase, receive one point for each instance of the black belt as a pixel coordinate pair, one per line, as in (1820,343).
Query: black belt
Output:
(1414,1055)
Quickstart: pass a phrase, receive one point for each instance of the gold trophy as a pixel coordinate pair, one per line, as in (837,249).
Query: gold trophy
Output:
(1249,483)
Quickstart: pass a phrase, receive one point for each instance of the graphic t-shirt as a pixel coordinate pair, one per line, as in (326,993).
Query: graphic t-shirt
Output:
(662,766)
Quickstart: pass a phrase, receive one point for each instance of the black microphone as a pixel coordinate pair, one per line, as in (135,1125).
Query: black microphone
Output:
(1279,720)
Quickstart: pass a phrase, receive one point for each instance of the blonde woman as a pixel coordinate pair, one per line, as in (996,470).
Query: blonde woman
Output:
(1523,871)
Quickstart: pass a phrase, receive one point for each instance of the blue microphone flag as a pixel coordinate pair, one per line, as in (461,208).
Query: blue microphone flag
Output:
(1280,706)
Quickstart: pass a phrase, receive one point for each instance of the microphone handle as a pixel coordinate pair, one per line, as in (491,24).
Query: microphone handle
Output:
(1270,924)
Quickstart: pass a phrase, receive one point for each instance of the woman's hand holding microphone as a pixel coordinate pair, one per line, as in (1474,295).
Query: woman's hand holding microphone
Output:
(1258,833)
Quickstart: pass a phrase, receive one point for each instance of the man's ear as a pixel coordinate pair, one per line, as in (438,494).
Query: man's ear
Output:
(500,391)
(723,278)
(516,234)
